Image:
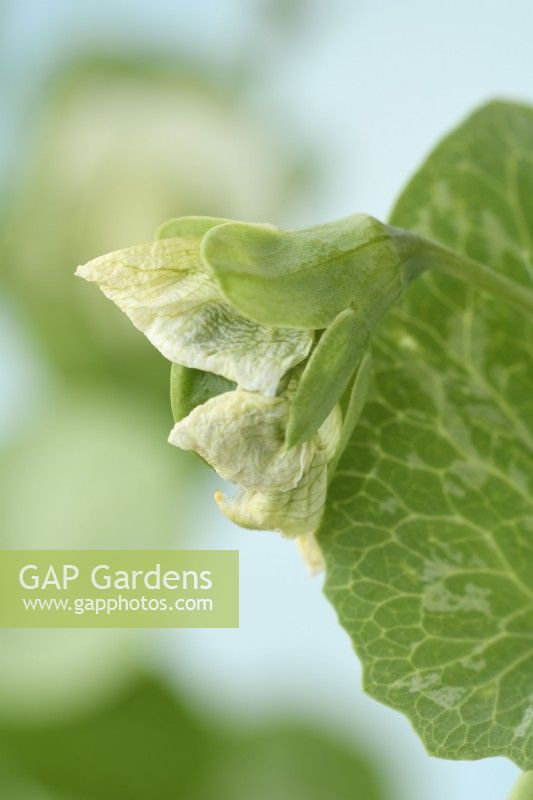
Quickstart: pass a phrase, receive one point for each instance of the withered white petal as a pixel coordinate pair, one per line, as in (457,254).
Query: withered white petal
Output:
(242,436)
(214,337)
(292,513)
(153,276)
(166,292)
(295,512)
(311,552)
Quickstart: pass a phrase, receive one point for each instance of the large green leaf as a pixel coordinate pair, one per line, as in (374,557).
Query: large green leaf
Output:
(428,532)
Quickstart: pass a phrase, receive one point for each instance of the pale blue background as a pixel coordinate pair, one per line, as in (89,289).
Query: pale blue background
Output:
(369,86)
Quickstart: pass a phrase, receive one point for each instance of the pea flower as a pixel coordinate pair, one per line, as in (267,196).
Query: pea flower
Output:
(266,331)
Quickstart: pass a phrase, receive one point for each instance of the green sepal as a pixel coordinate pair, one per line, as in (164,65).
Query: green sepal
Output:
(193,387)
(187,226)
(352,404)
(327,374)
(304,279)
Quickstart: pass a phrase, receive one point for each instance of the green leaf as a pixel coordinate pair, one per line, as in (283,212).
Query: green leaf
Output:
(428,531)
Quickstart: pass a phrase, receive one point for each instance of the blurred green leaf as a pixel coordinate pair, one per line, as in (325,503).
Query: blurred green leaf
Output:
(292,762)
(145,745)
(142,745)
(524,788)
(116,147)
(91,471)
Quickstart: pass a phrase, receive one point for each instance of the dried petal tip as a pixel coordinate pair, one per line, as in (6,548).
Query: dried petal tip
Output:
(83,271)
(311,553)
